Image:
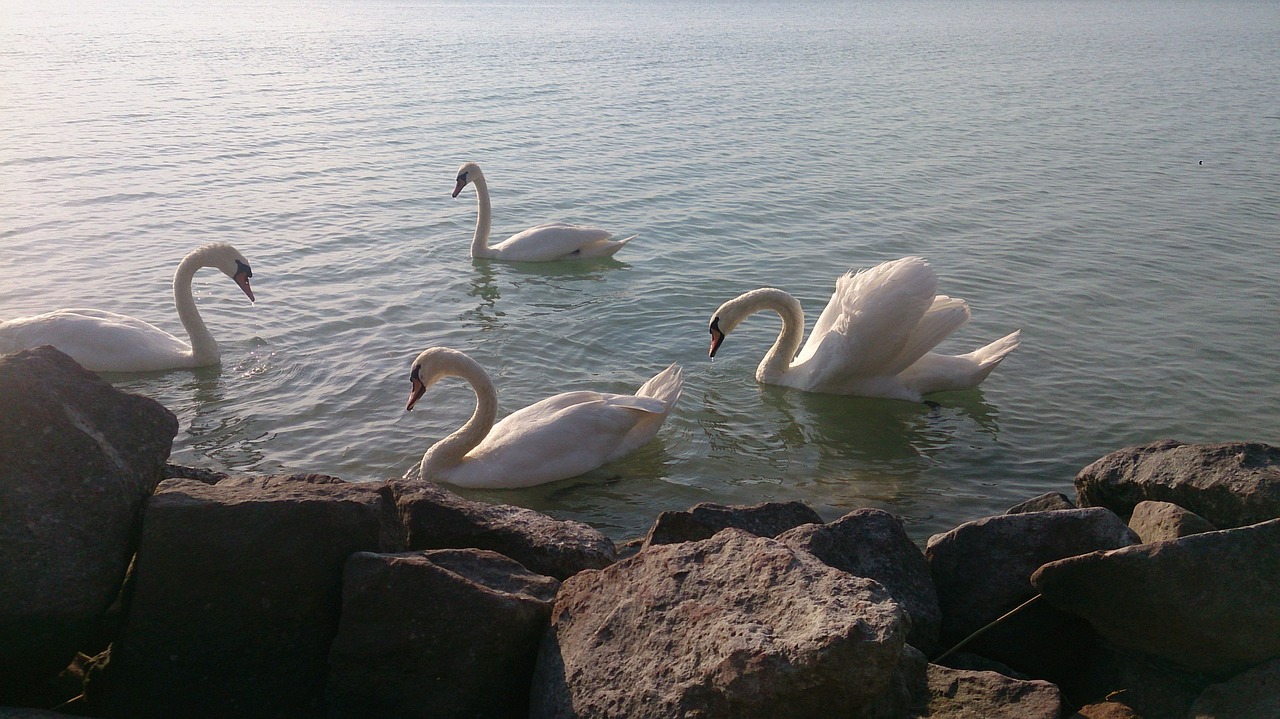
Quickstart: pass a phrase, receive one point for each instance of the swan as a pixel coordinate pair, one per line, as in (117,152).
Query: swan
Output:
(109,342)
(557,438)
(543,243)
(874,339)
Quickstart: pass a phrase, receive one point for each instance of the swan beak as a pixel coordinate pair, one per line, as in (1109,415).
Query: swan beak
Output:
(716,338)
(242,279)
(416,394)
(462,182)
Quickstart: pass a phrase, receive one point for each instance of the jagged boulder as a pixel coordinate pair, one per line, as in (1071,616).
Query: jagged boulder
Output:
(236,596)
(1158,521)
(435,518)
(704,520)
(1232,484)
(79,460)
(982,569)
(1209,602)
(1047,502)
(965,694)
(1254,694)
(440,633)
(732,626)
(872,543)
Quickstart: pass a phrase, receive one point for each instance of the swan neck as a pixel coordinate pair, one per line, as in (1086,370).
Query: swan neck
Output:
(450,451)
(778,359)
(480,241)
(203,347)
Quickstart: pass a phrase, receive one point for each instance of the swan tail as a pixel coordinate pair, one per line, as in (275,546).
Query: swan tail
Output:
(989,357)
(665,386)
(610,247)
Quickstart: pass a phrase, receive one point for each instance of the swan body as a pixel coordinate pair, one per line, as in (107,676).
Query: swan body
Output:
(543,243)
(557,438)
(874,339)
(109,342)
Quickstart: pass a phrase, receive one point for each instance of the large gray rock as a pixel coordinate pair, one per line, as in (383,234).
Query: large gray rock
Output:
(1209,602)
(704,520)
(236,596)
(964,694)
(435,518)
(1254,694)
(1158,521)
(982,570)
(872,543)
(1232,484)
(79,460)
(440,633)
(732,626)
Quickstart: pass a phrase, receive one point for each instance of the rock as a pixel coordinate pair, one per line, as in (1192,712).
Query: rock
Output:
(1113,679)
(1047,502)
(440,633)
(978,663)
(1209,602)
(1254,694)
(768,519)
(982,570)
(872,543)
(436,518)
(236,595)
(1158,521)
(1231,485)
(1107,710)
(79,460)
(963,694)
(732,626)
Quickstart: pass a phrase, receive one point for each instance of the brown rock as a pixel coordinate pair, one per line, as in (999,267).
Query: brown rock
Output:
(1254,694)
(1158,521)
(872,543)
(963,694)
(982,570)
(732,626)
(1232,484)
(236,595)
(1209,602)
(440,633)
(703,521)
(435,518)
(79,460)
(1047,502)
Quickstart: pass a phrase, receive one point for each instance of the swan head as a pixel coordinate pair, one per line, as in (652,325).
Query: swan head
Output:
(466,175)
(730,315)
(231,263)
(433,364)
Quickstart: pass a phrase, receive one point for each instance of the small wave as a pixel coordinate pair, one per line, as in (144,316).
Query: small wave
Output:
(37,160)
(118,197)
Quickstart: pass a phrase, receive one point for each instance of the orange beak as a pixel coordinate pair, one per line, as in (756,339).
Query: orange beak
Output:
(416,393)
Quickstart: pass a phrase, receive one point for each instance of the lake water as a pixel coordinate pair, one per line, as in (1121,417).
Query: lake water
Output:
(1103,175)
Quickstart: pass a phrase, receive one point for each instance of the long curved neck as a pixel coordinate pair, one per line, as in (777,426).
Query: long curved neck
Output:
(203,347)
(450,451)
(480,241)
(784,349)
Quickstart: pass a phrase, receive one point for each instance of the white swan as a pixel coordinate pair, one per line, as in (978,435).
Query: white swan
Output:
(552,241)
(873,339)
(109,342)
(559,437)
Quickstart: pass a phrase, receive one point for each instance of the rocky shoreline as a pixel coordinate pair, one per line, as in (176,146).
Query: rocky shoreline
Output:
(134,588)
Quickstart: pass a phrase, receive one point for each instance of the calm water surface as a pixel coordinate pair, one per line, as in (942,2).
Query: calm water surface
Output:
(1104,176)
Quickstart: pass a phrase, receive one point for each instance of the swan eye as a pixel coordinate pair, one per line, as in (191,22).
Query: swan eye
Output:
(462,178)
(243,268)
(715,325)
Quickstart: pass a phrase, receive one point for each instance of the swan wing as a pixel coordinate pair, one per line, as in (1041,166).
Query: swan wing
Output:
(100,341)
(868,323)
(560,437)
(556,240)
